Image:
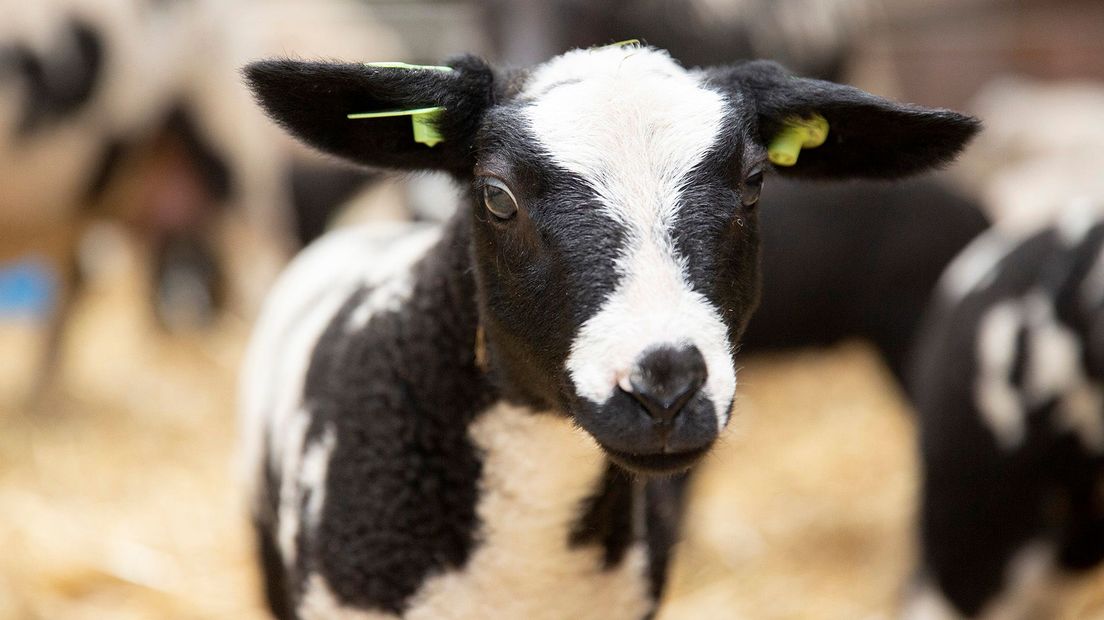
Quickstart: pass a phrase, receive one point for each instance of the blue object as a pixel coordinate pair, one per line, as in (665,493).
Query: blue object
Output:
(28,289)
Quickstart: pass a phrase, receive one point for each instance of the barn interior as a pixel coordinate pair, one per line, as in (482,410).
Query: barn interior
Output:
(146,204)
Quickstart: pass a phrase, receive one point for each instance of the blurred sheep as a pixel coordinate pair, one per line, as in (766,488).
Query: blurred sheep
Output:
(1009,390)
(134,112)
(855,260)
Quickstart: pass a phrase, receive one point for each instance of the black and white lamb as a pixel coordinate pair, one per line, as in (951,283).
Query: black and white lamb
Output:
(1009,388)
(460,421)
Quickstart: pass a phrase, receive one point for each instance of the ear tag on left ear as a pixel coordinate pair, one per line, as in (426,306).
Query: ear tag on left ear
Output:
(796,134)
(422,120)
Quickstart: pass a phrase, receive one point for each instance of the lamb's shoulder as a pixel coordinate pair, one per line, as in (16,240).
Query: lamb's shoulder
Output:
(361,485)
(300,307)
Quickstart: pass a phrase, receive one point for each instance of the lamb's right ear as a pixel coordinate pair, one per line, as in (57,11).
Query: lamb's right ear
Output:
(313,101)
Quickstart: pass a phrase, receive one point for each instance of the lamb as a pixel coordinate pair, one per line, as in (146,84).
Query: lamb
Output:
(489,418)
(1008,389)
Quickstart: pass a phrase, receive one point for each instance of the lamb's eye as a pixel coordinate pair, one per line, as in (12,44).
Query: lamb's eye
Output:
(498,199)
(753,185)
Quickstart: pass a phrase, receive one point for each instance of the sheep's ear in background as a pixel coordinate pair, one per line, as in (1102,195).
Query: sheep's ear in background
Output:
(313,101)
(868,136)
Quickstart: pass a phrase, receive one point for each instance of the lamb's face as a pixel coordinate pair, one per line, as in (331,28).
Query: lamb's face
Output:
(614,213)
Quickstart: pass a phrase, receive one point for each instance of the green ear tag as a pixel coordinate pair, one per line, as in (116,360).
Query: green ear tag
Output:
(421,120)
(796,134)
(425,127)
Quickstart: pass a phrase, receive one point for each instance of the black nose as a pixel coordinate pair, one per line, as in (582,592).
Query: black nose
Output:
(666,379)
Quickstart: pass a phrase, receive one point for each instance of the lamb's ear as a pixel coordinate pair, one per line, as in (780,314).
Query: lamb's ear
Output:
(313,101)
(868,136)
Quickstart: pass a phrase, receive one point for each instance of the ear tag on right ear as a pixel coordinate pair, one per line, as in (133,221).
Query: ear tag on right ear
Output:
(421,120)
(796,134)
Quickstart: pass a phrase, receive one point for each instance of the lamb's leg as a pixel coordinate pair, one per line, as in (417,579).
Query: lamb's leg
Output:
(624,508)
(665,503)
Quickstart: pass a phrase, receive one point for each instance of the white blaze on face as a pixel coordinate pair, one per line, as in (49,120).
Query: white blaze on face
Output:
(634,125)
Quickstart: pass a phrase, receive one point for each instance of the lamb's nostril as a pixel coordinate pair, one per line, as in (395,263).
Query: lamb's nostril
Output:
(666,379)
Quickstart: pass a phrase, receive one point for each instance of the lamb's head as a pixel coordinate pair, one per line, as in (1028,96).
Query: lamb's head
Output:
(613,201)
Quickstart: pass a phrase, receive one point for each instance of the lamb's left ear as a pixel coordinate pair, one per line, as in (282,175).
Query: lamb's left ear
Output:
(868,136)
(313,101)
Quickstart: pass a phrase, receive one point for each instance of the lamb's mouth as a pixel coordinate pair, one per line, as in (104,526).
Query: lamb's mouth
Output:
(657,463)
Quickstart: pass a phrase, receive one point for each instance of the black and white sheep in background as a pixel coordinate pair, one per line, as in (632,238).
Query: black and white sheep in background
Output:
(1008,388)
(458,421)
(855,260)
(133,112)
(103,114)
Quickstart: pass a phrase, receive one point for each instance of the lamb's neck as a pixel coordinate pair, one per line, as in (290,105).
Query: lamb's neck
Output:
(443,312)
(547,503)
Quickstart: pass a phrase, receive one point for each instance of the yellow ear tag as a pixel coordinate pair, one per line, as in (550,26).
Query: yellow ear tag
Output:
(796,134)
(422,120)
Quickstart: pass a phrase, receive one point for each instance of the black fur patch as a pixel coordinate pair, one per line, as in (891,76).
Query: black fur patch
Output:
(982,502)
(312,100)
(60,84)
(607,517)
(400,394)
(665,503)
(716,235)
